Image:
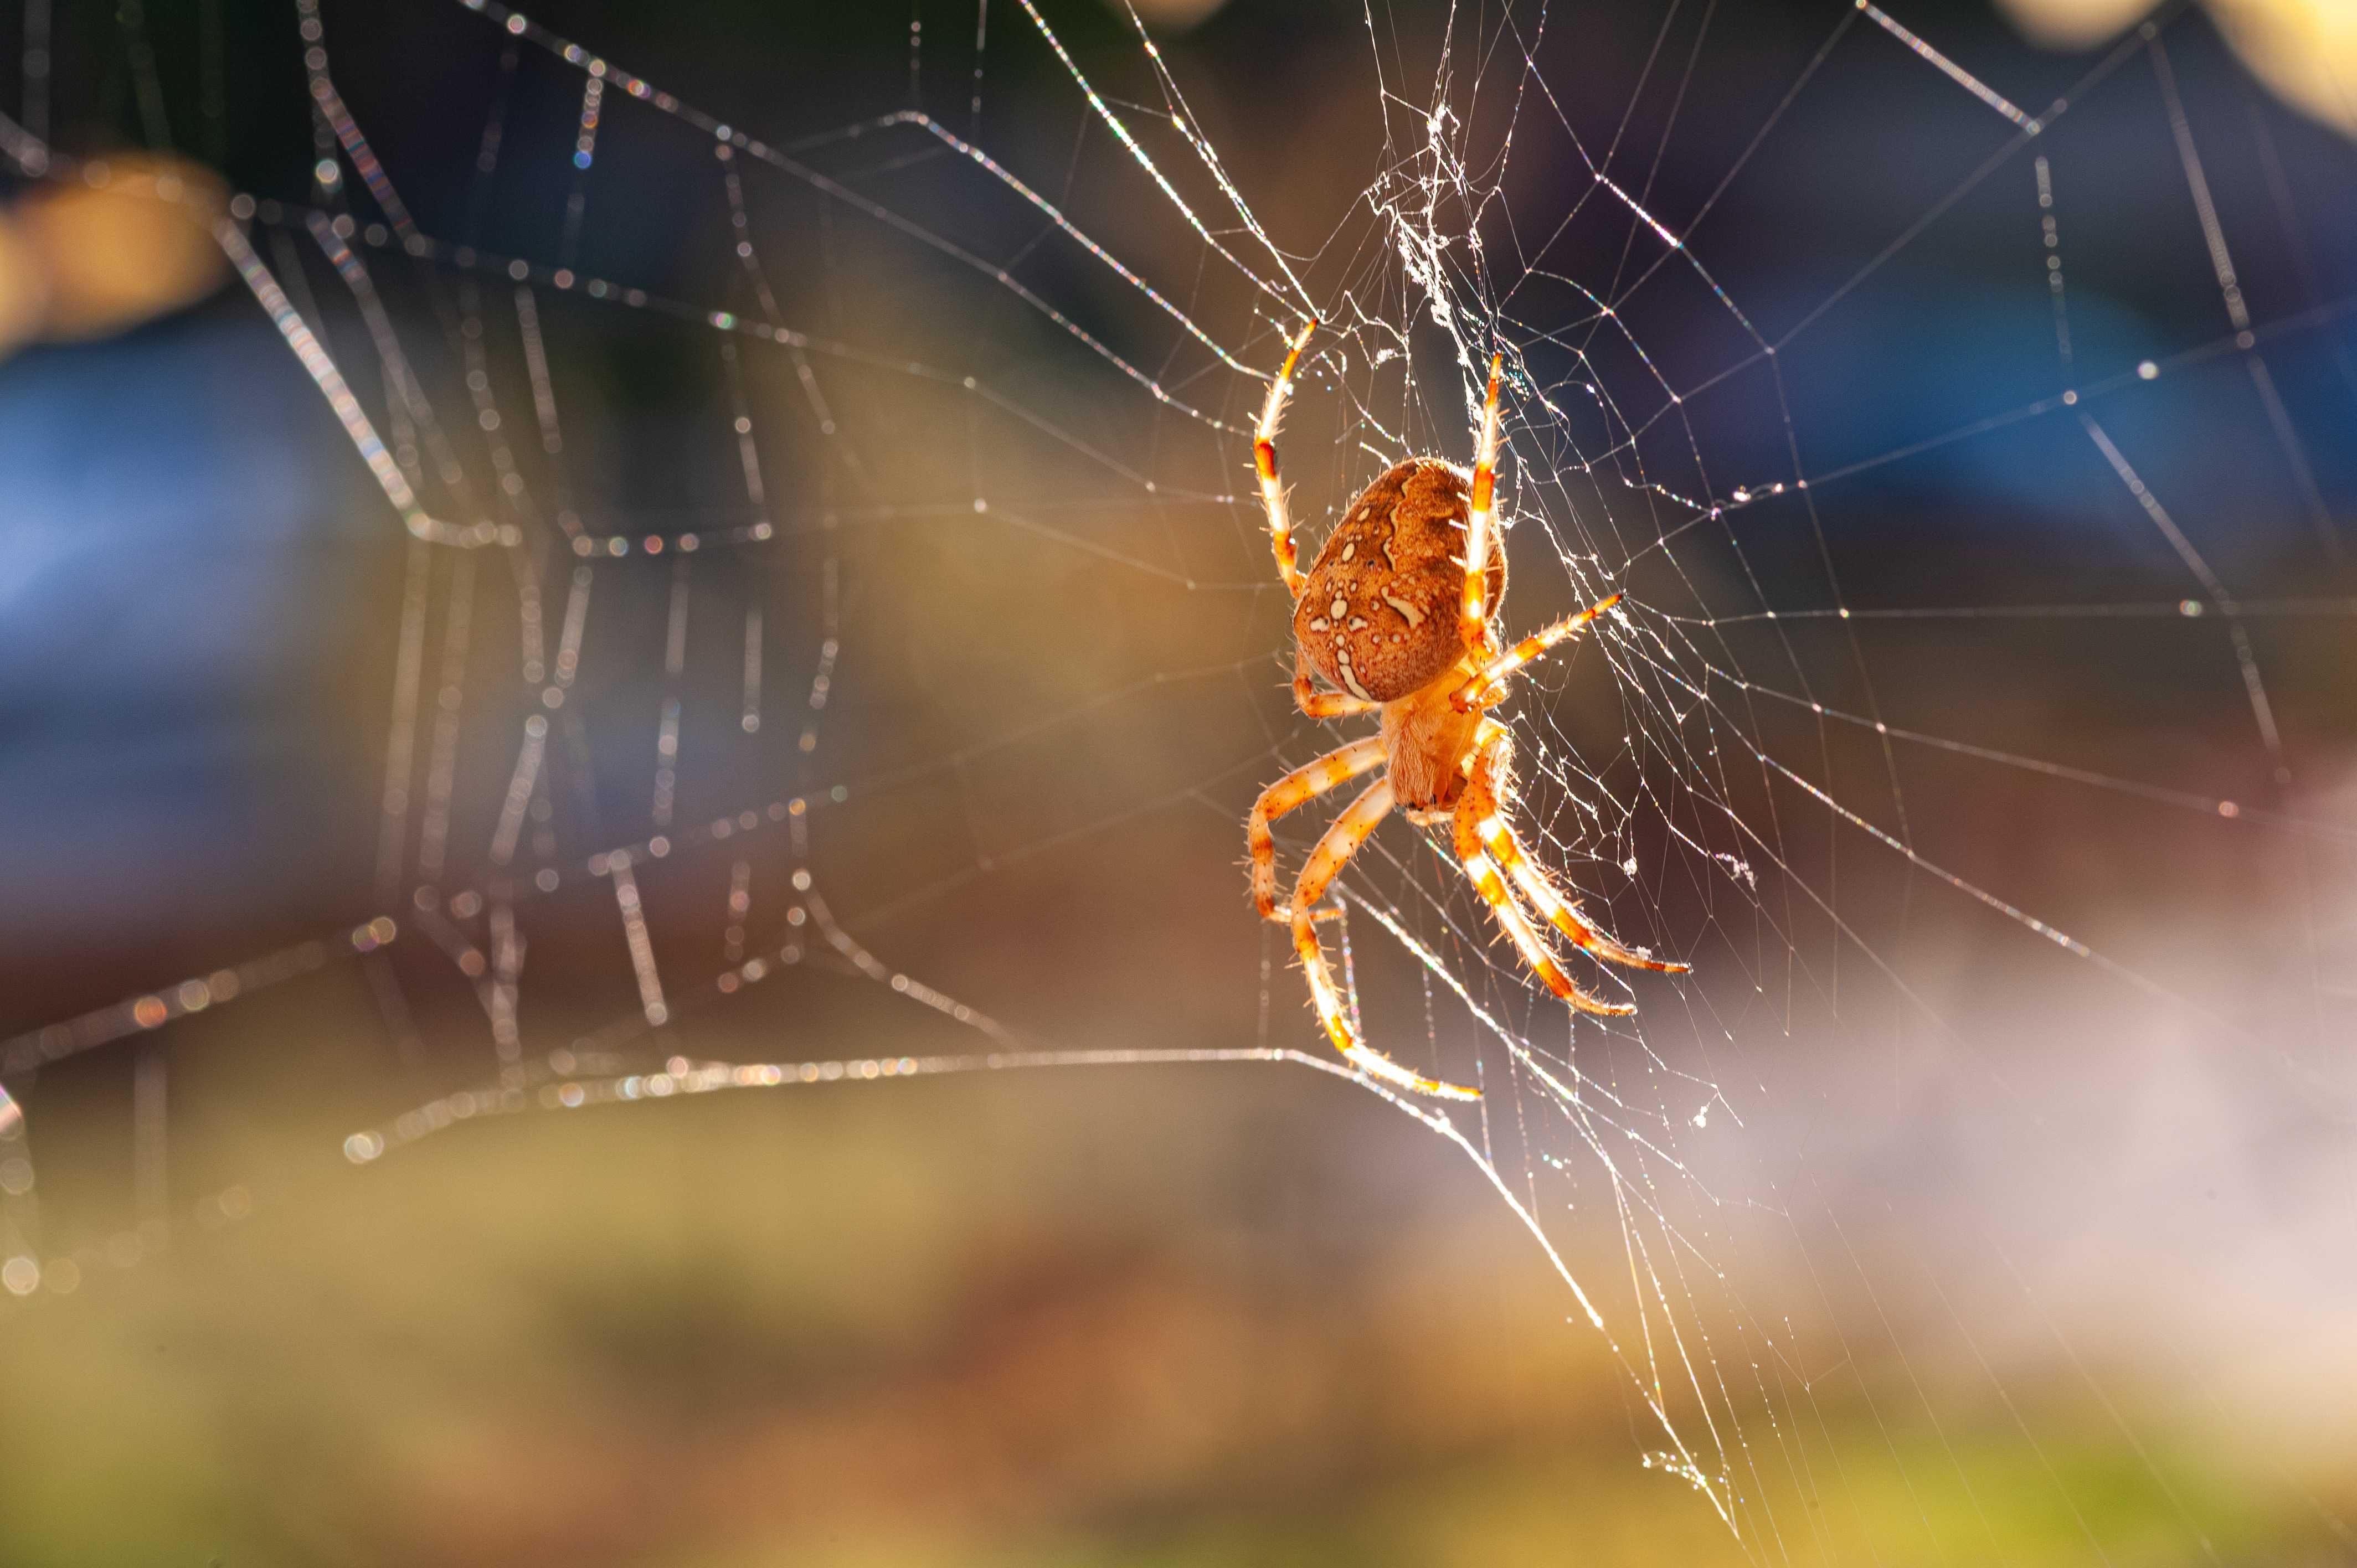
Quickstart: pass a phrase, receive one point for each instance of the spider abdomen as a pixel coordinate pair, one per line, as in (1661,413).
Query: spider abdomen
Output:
(1378,612)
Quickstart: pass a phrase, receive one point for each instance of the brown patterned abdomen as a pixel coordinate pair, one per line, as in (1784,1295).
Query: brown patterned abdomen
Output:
(1378,615)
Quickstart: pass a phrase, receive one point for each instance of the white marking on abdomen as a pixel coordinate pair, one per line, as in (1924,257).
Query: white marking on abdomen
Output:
(1413,616)
(1351,676)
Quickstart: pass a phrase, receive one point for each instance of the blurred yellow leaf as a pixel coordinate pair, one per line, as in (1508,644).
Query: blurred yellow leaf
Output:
(118,241)
(2305,51)
(24,287)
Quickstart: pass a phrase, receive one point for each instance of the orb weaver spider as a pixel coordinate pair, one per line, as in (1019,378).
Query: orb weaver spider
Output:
(1395,612)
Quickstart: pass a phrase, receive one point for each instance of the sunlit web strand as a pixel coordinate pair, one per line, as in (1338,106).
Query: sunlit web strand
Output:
(509,481)
(1949,69)
(1790,878)
(394,363)
(1569,1101)
(728,322)
(346,407)
(1758,137)
(150,1010)
(1558,763)
(1122,135)
(1793,879)
(1625,453)
(2102,69)
(1055,215)
(828,525)
(660,846)
(2262,710)
(1890,841)
(1628,116)
(333,114)
(2011,911)
(2230,293)
(1916,859)
(369,1145)
(2315,318)
(1673,243)
(1574,1097)
(2158,609)
(1000,859)
(355,144)
(2205,805)
(727,827)
(489,264)
(520,26)
(1420,249)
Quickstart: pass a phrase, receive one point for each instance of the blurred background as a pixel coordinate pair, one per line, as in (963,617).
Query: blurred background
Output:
(835,627)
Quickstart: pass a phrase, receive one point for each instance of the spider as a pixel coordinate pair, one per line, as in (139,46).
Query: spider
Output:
(1395,612)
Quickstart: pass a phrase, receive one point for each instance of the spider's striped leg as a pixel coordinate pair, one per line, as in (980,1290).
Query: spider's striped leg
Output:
(1320,704)
(1498,837)
(1487,686)
(1477,808)
(1297,787)
(1341,841)
(1272,493)
(1473,619)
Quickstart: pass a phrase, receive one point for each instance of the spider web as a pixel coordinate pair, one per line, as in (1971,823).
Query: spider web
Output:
(1969,733)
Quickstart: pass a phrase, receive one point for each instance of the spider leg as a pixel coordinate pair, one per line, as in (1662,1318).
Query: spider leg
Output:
(1320,704)
(1563,914)
(1487,686)
(1341,841)
(1272,494)
(1473,620)
(1302,785)
(1479,809)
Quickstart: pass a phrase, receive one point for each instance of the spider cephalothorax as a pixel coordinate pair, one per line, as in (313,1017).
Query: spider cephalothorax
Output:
(1395,612)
